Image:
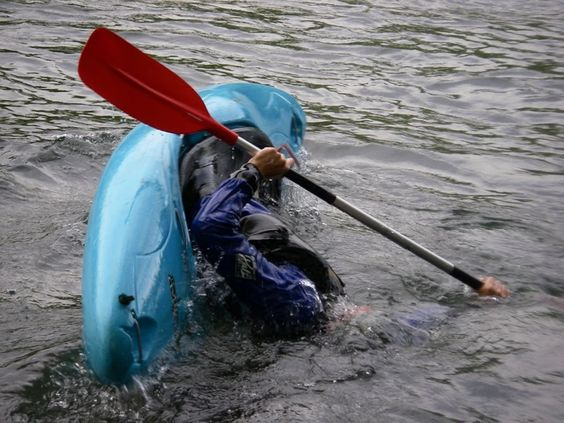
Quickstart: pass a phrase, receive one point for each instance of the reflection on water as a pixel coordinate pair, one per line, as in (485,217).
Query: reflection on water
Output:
(444,119)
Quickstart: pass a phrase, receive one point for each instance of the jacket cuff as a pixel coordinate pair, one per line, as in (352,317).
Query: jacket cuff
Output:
(249,173)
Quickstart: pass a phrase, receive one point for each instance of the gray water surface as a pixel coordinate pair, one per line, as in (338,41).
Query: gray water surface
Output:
(443,119)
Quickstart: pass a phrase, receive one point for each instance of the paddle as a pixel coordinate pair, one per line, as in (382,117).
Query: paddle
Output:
(153,94)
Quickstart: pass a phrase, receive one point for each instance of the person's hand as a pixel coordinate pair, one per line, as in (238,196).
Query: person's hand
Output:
(492,287)
(271,163)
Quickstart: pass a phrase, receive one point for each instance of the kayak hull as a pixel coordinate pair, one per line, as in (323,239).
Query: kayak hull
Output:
(139,270)
(138,261)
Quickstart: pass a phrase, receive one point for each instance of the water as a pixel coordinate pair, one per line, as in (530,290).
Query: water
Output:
(444,119)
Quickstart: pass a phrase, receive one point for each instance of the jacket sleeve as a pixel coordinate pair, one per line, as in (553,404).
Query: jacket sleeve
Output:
(281,295)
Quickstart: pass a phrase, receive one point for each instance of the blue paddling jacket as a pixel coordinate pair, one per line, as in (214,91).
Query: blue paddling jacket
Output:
(278,278)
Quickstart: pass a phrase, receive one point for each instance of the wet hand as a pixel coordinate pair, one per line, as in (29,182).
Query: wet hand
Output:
(492,287)
(271,163)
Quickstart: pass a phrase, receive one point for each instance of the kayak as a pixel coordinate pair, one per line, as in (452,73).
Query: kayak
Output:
(139,268)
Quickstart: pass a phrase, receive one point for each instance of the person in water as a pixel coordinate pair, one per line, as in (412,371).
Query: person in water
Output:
(280,280)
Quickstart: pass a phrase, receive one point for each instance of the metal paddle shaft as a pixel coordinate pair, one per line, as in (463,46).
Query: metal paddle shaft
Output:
(372,222)
(153,94)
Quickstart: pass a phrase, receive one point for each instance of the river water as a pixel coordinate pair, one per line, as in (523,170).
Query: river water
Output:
(444,119)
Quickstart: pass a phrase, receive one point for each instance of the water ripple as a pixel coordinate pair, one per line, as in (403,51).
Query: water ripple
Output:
(444,119)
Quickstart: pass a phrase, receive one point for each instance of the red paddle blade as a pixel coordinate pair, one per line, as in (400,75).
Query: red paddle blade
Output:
(143,88)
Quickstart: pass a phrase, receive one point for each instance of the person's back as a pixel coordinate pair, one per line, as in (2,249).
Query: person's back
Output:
(278,278)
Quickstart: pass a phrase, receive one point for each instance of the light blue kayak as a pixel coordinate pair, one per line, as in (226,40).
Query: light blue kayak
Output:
(138,264)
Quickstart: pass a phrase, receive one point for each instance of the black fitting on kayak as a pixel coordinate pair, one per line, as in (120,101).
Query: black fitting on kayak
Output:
(125,299)
(173,295)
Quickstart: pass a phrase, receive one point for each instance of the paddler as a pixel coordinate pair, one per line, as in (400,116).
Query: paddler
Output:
(281,281)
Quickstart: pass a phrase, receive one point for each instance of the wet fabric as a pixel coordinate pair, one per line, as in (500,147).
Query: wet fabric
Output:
(280,296)
(280,245)
(275,276)
(208,163)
